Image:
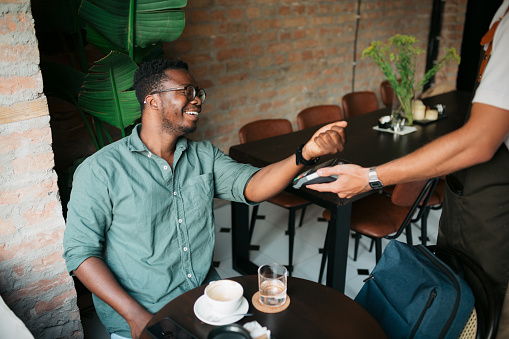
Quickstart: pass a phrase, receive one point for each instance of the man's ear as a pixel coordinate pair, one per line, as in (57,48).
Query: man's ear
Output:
(151,102)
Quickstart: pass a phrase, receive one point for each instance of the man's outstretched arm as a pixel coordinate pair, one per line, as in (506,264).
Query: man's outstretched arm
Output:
(272,179)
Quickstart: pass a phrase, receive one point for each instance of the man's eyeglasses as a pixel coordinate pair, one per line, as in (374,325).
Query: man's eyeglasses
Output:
(190,92)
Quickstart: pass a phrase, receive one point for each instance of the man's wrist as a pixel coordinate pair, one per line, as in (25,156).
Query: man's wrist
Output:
(305,154)
(301,157)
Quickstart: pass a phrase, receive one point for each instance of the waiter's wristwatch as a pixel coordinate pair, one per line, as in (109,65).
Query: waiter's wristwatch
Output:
(374,182)
(299,159)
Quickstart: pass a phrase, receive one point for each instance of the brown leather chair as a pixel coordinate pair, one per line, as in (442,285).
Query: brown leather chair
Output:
(435,202)
(317,115)
(358,103)
(387,93)
(386,216)
(262,129)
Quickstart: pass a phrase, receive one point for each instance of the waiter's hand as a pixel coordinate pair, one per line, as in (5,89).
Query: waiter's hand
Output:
(352,180)
(329,139)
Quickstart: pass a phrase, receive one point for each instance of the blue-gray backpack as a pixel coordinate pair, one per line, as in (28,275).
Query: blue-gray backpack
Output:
(413,294)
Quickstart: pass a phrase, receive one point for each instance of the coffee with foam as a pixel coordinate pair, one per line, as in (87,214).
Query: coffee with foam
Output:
(224,296)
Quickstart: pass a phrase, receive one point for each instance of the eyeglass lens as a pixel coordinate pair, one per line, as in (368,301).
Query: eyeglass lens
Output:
(190,93)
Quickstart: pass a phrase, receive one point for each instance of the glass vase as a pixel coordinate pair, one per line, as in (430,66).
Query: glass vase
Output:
(402,107)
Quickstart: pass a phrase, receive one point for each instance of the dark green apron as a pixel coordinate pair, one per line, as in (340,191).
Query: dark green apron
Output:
(475,214)
(477,221)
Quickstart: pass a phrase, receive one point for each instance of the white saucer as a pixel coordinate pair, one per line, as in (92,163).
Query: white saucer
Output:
(203,312)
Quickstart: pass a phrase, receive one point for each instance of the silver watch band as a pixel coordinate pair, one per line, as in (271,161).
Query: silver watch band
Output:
(374,182)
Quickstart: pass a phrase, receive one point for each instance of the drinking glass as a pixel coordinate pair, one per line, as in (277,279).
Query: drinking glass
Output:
(397,122)
(272,284)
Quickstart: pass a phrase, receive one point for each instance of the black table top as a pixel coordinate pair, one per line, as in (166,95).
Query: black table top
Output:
(365,146)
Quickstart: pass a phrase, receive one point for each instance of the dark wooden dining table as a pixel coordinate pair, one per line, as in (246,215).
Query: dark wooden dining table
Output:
(315,311)
(366,147)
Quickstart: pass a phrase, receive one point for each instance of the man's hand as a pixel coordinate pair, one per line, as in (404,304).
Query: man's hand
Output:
(329,139)
(138,323)
(352,180)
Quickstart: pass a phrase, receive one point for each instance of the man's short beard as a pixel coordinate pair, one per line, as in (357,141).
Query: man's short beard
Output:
(172,129)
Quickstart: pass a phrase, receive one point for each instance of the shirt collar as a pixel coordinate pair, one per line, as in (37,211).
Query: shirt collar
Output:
(136,145)
(134,142)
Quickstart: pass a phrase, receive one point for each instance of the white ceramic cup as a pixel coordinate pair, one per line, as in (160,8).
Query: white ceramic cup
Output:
(224,296)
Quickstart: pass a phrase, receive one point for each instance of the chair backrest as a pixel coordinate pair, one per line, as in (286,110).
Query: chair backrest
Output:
(438,194)
(407,193)
(317,115)
(487,305)
(358,103)
(265,128)
(387,93)
(412,194)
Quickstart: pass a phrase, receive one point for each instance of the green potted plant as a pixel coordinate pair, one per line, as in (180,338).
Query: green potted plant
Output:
(123,33)
(127,32)
(397,58)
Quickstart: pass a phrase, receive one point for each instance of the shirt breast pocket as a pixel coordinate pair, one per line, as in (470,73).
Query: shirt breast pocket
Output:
(197,194)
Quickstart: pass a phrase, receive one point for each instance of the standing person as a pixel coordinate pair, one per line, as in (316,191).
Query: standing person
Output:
(475,216)
(140,227)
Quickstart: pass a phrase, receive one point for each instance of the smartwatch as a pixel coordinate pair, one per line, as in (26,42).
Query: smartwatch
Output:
(374,182)
(299,159)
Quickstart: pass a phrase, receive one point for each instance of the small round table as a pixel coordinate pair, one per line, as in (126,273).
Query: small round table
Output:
(315,311)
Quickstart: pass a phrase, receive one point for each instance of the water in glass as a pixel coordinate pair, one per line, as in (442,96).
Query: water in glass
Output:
(273,293)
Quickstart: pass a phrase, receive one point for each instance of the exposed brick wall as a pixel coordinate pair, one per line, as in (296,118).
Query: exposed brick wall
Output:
(33,279)
(272,58)
(452,35)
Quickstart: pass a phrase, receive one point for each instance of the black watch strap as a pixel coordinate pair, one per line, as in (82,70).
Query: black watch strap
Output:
(299,159)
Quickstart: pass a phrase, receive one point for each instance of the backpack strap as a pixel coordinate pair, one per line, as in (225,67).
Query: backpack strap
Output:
(488,39)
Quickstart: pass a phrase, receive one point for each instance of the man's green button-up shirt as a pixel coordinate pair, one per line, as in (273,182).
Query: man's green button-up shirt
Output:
(151,225)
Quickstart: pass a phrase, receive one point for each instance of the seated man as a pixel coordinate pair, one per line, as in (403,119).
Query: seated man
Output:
(140,226)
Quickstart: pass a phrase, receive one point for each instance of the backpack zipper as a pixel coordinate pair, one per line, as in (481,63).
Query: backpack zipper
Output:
(447,272)
(431,297)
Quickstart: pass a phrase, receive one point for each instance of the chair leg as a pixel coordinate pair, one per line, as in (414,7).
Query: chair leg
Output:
(254,214)
(378,248)
(291,238)
(302,215)
(324,255)
(408,232)
(424,226)
(357,239)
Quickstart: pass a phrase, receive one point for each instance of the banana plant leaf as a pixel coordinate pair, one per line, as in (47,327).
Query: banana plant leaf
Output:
(107,94)
(106,46)
(146,23)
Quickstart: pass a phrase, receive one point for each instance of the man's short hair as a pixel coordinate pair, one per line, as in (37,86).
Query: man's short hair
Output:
(150,75)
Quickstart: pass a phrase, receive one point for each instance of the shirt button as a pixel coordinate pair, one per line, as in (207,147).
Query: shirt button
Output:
(165,167)
(189,275)
(150,155)
(174,193)
(185,249)
(180,221)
